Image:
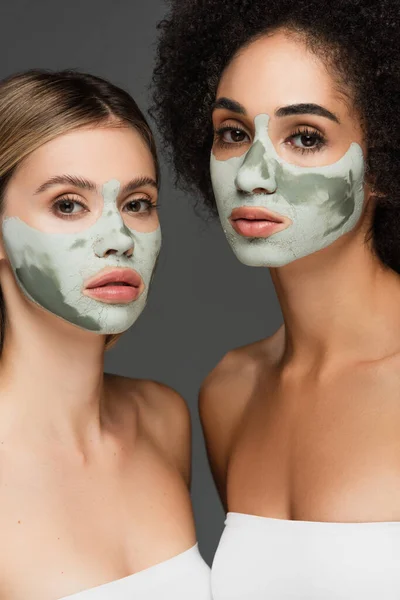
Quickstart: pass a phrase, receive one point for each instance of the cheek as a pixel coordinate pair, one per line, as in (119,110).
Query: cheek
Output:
(324,206)
(79,243)
(41,281)
(144,223)
(229,150)
(223,175)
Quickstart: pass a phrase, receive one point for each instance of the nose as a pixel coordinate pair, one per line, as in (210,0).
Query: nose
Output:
(115,241)
(257,174)
(127,252)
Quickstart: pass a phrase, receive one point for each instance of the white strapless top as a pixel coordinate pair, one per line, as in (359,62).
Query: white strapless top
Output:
(261,558)
(183,577)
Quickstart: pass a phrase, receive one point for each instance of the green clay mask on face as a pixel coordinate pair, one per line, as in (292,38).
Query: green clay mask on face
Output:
(52,268)
(323,203)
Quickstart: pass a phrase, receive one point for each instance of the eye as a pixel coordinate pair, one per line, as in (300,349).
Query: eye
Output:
(306,140)
(68,207)
(231,135)
(139,205)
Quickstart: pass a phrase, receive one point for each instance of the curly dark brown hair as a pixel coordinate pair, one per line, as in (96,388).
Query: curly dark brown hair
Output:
(359,39)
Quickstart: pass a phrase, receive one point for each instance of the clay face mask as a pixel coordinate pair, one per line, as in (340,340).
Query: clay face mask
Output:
(51,268)
(322,203)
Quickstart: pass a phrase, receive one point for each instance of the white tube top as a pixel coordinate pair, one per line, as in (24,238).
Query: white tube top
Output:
(183,577)
(261,558)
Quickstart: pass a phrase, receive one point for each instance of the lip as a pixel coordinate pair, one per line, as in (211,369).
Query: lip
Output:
(257,222)
(128,286)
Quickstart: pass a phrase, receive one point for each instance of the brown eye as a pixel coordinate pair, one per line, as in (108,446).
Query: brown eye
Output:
(66,207)
(236,135)
(306,139)
(139,206)
(232,135)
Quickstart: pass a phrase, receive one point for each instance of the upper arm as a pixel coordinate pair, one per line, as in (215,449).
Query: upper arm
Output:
(169,421)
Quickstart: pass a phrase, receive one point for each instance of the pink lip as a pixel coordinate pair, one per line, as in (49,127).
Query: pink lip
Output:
(115,286)
(255,221)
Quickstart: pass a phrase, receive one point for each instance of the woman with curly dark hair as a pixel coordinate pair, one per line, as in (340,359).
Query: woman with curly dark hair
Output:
(298,104)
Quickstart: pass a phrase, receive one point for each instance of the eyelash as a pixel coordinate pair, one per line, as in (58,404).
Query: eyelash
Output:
(219,136)
(320,139)
(66,198)
(151,205)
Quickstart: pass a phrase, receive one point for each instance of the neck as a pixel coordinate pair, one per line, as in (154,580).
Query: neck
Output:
(51,376)
(336,301)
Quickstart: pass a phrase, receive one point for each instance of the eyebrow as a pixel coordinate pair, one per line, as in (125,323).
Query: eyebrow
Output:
(306,109)
(86,184)
(79,182)
(284,111)
(138,182)
(229,104)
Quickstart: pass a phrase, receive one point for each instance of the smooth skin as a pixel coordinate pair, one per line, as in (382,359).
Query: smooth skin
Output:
(94,468)
(305,425)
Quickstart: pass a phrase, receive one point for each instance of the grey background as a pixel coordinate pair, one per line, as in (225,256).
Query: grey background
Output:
(203,301)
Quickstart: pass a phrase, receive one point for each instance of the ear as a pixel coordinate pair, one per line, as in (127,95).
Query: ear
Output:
(372,194)
(3,254)
(370,181)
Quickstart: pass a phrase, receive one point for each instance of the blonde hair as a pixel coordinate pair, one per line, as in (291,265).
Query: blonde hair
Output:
(37,106)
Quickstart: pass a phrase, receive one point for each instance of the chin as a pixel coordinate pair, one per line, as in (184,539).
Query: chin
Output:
(109,320)
(263,258)
(117,319)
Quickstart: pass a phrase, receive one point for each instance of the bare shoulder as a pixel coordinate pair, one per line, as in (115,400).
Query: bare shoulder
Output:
(225,395)
(229,385)
(163,415)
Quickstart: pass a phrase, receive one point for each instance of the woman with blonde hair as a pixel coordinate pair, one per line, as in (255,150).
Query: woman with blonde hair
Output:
(94,468)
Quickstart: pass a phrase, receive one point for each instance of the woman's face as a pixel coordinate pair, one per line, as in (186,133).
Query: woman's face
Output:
(287,162)
(80,226)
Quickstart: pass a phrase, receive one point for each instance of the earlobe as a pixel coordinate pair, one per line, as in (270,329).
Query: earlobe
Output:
(372,196)
(370,181)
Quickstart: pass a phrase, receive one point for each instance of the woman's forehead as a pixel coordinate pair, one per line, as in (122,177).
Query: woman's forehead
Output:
(274,71)
(96,153)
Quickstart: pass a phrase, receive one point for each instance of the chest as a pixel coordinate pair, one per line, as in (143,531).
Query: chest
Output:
(320,450)
(68,529)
